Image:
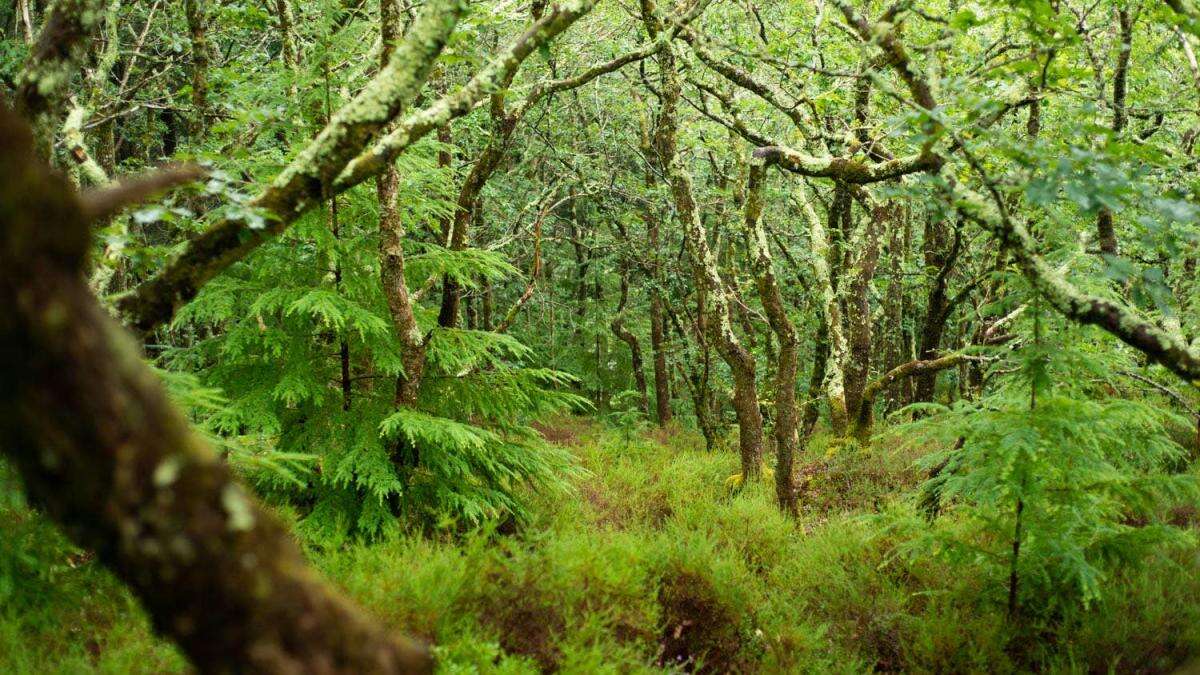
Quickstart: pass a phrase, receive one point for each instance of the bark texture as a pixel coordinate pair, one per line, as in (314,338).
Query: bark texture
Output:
(707,273)
(391,248)
(102,450)
(831,314)
(785,431)
(197,21)
(863,260)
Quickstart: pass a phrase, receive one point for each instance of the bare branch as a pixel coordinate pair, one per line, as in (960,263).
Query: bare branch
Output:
(110,200)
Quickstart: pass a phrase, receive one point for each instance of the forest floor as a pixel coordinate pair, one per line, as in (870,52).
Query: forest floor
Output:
(654,562)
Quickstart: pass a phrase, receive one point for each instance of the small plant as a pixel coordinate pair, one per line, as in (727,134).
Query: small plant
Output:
(1058,486)
(626,415)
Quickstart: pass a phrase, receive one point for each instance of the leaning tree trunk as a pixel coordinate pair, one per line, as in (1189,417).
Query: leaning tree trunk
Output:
(467,203)
(102,450)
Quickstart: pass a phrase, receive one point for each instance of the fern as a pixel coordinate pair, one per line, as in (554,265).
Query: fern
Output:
(1076,483)
(276,324)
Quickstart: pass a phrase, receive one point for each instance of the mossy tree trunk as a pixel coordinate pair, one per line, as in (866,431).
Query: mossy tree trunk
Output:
(707,274)
(102,450)
(831,314)
(864,256)
(197,21)
(785,430)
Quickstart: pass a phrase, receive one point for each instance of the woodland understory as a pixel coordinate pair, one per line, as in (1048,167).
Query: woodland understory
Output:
(717,336)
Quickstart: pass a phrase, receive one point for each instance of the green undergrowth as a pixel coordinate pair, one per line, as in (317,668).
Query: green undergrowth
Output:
(654,563)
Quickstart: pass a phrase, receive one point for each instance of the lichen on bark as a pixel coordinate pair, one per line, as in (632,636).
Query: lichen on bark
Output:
(103,451)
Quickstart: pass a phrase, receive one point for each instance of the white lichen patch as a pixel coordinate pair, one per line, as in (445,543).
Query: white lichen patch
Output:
(238,508)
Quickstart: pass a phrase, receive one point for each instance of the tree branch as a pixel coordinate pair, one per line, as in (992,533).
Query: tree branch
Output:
(847,170)
(1160,346)
(304,182)
(865,417)
(101,449)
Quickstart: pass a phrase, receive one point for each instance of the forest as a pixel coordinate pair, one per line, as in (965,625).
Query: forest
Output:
(493,336)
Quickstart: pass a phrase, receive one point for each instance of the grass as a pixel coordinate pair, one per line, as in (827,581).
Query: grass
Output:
(655,564)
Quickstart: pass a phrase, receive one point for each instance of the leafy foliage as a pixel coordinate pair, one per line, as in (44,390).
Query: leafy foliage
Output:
(1062,490)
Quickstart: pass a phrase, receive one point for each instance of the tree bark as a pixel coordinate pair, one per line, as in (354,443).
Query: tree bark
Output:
(658,333)
(624,334)
(289,51)
(865,258)
(831,314)
(896,312)
(197,21)
(391,248)
(708,276)
(1105,231)
(696,372)
(467,203)
(102,450)
(942,256)
(785,430)
(658,345)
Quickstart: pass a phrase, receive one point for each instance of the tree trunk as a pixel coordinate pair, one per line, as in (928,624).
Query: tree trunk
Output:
(940,255)
(831,314)
(658,333)
(696,373)
(467,204)
(198,29)
(865,251)
(708,276)
(895,313)
(25,20)
(391,250)
(101,449)
(785,430)
(288,50)
(1105,231)
(624,334)
(658,344)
